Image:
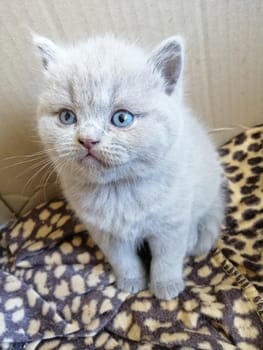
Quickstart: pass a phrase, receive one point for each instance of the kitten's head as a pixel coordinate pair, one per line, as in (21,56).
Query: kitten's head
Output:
(109,111)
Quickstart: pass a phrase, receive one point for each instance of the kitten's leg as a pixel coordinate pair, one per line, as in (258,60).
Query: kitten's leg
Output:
(168,252)
(127,266)
(192,239)
(209,228)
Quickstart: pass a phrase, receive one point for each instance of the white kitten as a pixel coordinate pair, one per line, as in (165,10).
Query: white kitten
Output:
(133,162)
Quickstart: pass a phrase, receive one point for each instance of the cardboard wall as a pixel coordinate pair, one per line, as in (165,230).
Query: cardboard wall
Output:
(224,69)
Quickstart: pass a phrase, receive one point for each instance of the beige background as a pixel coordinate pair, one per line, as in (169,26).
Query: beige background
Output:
(224,68)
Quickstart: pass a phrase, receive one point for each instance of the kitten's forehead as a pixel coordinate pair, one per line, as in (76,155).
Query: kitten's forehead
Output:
(101,69)
(108,52)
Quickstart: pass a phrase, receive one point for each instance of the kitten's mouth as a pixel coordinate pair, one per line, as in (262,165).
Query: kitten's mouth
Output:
(91,157)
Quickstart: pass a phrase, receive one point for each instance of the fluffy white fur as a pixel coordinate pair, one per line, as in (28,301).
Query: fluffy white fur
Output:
(158,180)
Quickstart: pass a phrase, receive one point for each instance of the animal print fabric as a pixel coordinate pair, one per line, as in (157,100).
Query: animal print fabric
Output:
(58,291)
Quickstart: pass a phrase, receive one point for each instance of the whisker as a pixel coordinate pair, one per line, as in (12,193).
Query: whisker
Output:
(33,167)
(44,181)
(24,156)
(47,163)
(12,166)
(34,176)
(32,157)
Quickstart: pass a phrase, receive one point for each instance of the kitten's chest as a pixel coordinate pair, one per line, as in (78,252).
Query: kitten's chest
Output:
(114,210)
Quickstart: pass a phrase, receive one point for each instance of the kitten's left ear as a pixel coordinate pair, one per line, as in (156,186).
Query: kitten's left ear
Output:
(168,59)
(49,52)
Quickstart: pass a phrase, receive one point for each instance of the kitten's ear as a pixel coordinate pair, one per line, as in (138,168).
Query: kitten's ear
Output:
(49,52)
(168,59)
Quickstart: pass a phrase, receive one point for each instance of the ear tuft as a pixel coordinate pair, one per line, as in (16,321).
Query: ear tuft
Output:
(168,59)
(47,49)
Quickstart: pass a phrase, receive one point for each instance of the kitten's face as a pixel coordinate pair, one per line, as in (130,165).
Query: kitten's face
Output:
(106,111)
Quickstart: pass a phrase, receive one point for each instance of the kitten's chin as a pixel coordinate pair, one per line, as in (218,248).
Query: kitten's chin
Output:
(91,161)
(88,159)
(95,171)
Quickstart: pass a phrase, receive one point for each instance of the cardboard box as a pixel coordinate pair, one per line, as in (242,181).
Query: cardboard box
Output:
(223,73)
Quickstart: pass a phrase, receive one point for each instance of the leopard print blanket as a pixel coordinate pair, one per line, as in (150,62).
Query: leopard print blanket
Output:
(58,292)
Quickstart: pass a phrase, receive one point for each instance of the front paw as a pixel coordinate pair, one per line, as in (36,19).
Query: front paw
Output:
(132,285)
(167,290)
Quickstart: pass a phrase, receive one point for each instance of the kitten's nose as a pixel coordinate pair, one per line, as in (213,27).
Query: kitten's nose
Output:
(88,143)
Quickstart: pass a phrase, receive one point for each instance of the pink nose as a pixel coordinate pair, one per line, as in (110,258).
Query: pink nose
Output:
(88,143)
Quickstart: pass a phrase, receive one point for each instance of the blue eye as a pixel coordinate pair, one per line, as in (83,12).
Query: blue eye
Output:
(122,119)
(67,117)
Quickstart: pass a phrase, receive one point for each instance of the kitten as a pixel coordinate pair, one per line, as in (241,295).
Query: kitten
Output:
(133,161)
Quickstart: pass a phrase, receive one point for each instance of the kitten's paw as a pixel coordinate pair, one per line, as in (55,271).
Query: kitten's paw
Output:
(132,285)
(203,246)
(167,290)
(207,236)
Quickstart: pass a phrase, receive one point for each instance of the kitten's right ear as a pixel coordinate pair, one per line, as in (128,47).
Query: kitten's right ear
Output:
(48,51)
(168,60)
